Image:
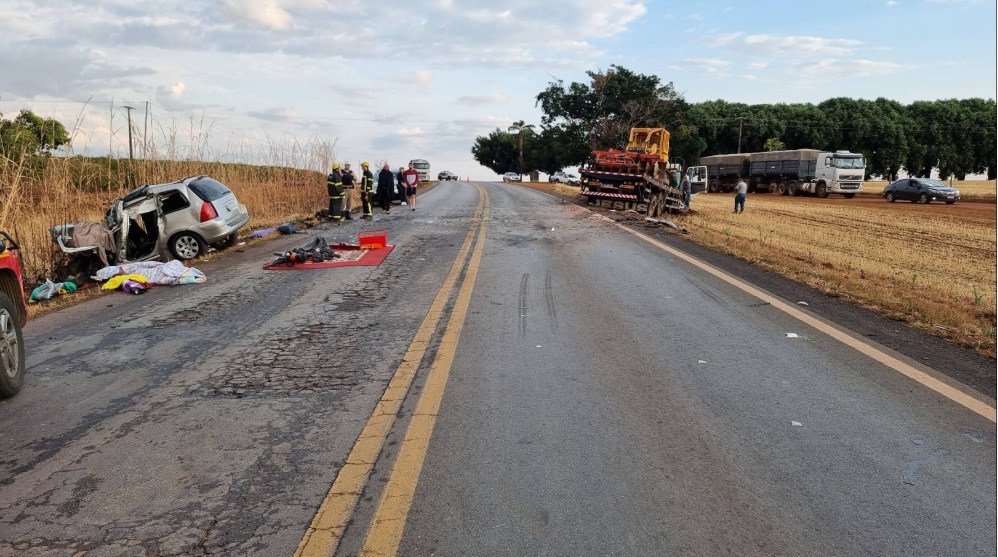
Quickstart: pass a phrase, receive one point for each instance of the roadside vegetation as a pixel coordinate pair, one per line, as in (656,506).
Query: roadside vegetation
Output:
(930,266)
(40,190)
(953,137)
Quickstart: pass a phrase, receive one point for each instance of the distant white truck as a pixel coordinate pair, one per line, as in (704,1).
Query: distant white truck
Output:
(797,172)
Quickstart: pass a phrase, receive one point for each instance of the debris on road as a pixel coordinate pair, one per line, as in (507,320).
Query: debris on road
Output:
(371,249)
(701,361)
(263,232)
(803,304)
(792,335)
(51,289)
(170,273)
(796,424)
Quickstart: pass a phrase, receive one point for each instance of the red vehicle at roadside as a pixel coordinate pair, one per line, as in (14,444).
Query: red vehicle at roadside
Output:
(13,316)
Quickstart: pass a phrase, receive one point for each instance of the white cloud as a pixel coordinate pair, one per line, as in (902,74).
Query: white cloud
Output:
(759,65)
(831,68)
(709,65)
(177,89)
(423,77)
(410,131)
(784,44)
(493,98)
(892,3)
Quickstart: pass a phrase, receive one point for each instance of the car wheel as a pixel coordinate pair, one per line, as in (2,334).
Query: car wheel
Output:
(924,199)
(187,245)
(950,201)
(890,197)
(11,349)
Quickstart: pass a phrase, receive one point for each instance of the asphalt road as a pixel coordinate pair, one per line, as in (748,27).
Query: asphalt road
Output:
(605,398)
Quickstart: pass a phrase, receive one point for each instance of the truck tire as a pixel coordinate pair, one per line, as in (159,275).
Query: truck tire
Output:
(652,211)
(11,349)
(822,191)
(713,187)
(792,188)
(782,188)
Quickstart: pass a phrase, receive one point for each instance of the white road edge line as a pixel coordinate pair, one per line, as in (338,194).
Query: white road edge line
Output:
(945,386)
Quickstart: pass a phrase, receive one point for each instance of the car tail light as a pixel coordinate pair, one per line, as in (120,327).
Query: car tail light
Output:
(208,211)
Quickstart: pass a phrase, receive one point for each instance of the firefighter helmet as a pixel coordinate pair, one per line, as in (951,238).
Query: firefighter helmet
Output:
(336,166)
(364,164)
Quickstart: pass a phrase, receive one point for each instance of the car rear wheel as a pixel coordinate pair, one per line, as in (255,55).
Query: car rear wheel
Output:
(11,349)
(890,197)
(187,245)
(950,201)
(924,199)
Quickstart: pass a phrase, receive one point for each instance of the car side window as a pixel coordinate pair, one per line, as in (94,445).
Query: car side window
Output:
(173,201)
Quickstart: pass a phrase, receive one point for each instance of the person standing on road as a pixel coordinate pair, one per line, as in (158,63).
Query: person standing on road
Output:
(386,183)
(741,189)
(349,183)
(334,187)
(400,183)
(366,191)
(687,188)
(411,181)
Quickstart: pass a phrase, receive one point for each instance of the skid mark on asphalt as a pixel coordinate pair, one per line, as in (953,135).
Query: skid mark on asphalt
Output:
(549,301)
(522,304)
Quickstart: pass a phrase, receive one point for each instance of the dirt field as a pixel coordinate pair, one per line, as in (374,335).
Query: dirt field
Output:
(932,266)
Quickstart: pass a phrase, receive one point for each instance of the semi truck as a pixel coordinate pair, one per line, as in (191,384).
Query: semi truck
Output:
(641,177)
(796,172)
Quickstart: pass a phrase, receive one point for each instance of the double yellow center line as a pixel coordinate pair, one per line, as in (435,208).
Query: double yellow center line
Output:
(334,514)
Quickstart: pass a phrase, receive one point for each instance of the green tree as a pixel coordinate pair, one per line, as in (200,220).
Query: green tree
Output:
(497,151)
(522,131)
(608,106)
(31,134)
(774,144)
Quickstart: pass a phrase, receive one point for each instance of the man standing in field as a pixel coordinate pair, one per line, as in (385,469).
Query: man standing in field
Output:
(386,183)
(411,178)
(687,190)
(741,188)
(349,183)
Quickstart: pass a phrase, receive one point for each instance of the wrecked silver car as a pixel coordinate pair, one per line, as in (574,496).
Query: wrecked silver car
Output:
(159,222)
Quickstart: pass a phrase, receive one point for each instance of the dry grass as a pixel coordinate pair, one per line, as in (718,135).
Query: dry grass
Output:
(932,266)
(75,189)
(969,189)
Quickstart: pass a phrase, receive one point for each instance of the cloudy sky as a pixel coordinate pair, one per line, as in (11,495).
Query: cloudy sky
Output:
(400,79)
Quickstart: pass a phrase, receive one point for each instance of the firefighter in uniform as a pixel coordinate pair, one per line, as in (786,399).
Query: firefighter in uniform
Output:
(367,191)
(349,184)
(334,187)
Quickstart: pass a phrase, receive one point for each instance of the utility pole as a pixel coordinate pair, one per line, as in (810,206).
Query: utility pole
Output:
(145,126)
(740,119)
(129,109)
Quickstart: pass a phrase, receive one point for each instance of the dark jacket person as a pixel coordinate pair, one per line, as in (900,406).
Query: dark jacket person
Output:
(386,184)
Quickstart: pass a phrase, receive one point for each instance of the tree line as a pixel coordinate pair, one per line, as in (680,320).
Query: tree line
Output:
(955,136)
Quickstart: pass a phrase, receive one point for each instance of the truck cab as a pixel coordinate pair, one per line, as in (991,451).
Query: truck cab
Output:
(842,172)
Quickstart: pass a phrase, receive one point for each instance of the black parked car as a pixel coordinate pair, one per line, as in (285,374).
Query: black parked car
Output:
(921,190)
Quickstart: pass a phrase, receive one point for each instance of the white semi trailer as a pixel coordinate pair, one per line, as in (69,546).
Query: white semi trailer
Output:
(797,172)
